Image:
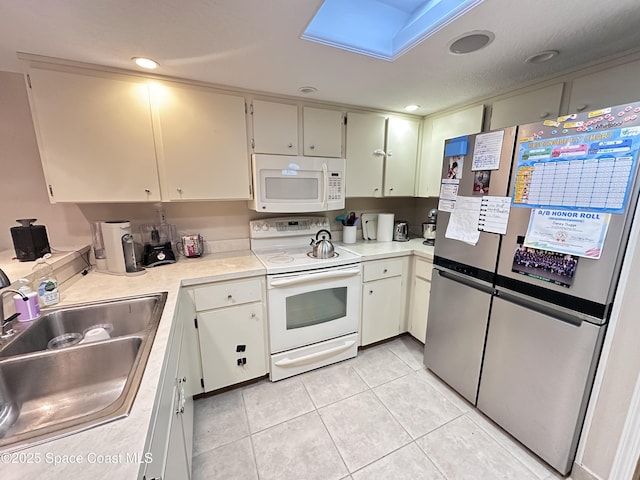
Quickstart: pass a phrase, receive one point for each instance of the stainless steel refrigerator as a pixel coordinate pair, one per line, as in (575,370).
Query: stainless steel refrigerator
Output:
(464,275)
(573,190)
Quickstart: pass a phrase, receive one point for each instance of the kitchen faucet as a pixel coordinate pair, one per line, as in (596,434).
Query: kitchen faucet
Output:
(7,324)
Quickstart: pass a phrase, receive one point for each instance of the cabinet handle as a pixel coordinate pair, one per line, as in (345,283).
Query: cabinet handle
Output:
(290,145)
(389,153)
(544,114)
(229,297)
(581,107)
(253,315)
(391,189)
(384,271)
(147,191)
(370,292)
(179,190)
(312,147)
(378,152)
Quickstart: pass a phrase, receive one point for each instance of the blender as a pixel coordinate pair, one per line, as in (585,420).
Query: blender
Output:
(429,227)
(158,244)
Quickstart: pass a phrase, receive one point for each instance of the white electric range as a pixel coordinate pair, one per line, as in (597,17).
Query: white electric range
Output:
(313,304)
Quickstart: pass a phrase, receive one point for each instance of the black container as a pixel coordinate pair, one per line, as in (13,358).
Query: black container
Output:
(30,241)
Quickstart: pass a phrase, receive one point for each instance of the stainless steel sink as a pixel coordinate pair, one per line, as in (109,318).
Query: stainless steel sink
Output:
(126,316)
(51,393)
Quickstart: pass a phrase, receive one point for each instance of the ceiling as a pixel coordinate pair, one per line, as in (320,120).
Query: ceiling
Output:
(255,45)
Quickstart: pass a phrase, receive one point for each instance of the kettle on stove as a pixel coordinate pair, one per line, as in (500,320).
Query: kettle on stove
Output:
(322,248)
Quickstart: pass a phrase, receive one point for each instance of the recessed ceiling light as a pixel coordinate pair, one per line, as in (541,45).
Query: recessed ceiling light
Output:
(542,56)
(471,42)
(145,62)
(308,90)
(412,108)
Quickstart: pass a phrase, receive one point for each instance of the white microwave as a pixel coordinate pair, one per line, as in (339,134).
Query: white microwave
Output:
(291,184)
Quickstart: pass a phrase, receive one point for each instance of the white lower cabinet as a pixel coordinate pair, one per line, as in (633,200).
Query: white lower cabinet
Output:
(384,295)
(420,292)
(171,431)
(232,332)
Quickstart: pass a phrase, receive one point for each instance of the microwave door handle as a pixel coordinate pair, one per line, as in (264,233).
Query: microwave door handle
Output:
(325,174)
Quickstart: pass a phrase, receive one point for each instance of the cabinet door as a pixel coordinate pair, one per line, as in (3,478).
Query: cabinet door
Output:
(402,155)
(223,335)
(322,132)
(381,309)
(95,136)
(435,132)
(420,308)
(275,128)
(527,108)
(176,465)
(185,408)
(203,143)
(365,154)
(610,87)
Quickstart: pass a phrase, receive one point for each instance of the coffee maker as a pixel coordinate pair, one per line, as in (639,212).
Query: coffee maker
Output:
(158,244)
(429,227)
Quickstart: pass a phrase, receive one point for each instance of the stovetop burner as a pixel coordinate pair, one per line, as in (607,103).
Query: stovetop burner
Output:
(311,255)
(282,245)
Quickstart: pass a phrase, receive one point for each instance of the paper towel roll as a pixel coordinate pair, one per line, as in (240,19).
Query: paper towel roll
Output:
(385,227)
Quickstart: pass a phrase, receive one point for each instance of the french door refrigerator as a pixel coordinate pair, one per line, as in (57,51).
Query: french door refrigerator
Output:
(463,277)
(574,190)
(517,322)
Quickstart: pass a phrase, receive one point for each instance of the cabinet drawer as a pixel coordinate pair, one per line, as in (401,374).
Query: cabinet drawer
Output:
(382,269)
(423,269)
(225,294)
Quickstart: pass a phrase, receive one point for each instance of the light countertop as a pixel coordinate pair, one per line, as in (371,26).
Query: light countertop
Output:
(105,448)
(373,250)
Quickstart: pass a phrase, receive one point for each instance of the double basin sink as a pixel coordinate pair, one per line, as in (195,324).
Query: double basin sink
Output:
(50,391)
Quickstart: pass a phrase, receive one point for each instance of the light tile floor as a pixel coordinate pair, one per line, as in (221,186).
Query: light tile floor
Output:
(380,415)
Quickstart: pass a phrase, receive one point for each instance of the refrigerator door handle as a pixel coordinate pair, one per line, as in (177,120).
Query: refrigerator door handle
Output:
(544,309)
(456,277)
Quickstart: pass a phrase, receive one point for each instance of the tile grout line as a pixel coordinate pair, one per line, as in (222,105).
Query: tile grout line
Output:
(327,430)
(506,449)
(253,448)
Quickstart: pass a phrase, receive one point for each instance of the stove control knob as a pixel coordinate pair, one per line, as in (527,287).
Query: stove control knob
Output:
(265,227)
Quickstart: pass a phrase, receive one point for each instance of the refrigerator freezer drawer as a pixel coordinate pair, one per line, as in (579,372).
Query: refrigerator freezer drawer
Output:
(536,379)
(458,315)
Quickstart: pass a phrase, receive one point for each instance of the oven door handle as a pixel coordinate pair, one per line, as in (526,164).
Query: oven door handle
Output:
(313,357)
(313,277)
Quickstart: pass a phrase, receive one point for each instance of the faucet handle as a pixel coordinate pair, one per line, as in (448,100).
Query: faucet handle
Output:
(7,326)
(4,280)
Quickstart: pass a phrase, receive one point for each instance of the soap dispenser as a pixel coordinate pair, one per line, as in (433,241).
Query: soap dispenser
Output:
(29,310)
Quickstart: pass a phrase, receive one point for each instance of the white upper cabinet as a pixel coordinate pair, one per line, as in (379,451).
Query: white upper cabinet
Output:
(528,107)
(322,132)
(95,136)
(275,128)
(203,152)
(402,155)
(365,154)
(435,132)
(614,86)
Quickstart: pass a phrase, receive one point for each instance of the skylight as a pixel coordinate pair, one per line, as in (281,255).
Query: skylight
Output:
(382,28)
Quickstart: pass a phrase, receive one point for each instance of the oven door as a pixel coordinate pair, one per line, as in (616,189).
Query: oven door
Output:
(309,307)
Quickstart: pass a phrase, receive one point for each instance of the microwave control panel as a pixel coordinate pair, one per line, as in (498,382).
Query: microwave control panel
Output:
(335,186)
